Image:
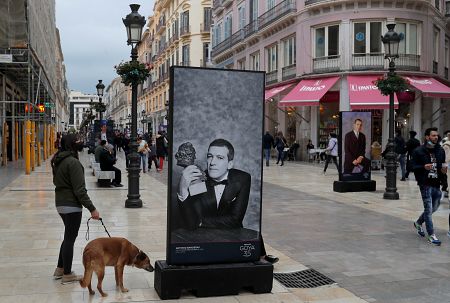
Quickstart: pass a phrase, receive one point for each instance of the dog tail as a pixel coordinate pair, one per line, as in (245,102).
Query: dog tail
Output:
(87,271)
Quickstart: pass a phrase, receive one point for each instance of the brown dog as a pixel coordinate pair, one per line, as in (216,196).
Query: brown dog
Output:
(116,252)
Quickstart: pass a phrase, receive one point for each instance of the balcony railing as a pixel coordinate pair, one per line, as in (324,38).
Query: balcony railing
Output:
(272,77)
(174,38)
(327,64)
(218,5)
(435,67)
(278,11)
(161,24)
(368,61)
(408,62)
(288,72)
(205,27)
(446,72)
(185,30)
(162,48)
(251,28)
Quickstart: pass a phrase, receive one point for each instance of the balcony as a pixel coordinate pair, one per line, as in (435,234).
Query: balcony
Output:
(288,72)
(173,39)
(218,6)
(205,27)
(435,67)
(161,25)
(272,77)
(185,30)
(278,11)
(408,62)
(368,61)
(251,28)
(162,48)
(327,64)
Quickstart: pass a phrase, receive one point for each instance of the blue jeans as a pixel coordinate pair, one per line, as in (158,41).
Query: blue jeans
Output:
(402,159)
(431,197)
(280,156)
(267,154)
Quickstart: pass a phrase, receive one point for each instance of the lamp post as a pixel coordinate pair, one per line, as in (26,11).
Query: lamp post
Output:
(391,41)
(134,23)
(100,87)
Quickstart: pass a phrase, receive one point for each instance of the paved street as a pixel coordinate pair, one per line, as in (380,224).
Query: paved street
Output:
(364,243)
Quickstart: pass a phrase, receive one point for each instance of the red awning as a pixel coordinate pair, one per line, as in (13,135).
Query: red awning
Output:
(364,94)
(430,87)
(269,93)
(308,92)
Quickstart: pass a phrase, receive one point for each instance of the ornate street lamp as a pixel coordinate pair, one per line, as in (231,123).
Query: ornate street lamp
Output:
(100,87)
(391,41)
(134,23)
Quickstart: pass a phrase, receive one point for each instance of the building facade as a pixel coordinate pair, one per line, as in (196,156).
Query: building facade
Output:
(336,47)
(178,33)
(118,101)
(79,104)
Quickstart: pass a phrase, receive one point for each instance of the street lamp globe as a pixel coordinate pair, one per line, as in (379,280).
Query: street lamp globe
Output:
(391,42)
(100,87)
(134,23)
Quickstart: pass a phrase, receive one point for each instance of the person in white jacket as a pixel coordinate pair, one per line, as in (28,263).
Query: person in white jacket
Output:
(332,152)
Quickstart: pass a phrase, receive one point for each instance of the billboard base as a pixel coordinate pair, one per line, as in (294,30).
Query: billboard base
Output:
(213,279)
(354,186)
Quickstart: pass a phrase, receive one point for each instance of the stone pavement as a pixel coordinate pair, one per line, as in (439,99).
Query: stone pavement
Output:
(361,241)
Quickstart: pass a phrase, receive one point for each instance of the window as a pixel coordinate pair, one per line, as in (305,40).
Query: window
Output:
(205,53)
(253,10)
(241,64)
(289,51)
(254,61)
(326,41)
(447,53)
(367,38)
(272,58)
(436,45)
(184,19)
(228,26)
(185,55)
(207,17)
(241,14)
(218,34)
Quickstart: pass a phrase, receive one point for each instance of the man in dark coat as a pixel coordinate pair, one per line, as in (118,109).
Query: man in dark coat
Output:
(107,162)
(268,142)
(355,150)
(225,202)
(411,145)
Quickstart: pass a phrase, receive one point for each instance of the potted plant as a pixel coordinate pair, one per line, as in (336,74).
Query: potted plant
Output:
(389,84)
(132,72)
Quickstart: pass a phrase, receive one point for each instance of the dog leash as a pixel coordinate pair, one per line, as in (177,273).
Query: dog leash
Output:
(87,232)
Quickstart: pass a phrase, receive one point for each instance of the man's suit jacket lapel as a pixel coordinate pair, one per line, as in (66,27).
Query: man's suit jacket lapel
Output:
(229,193)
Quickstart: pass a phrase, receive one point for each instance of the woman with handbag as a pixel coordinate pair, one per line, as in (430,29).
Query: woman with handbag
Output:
(332,152)
(280,144)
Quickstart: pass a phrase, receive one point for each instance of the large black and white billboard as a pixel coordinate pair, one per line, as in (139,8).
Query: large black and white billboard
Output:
(215,167)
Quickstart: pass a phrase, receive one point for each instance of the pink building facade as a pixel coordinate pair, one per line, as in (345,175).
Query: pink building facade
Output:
(297,40)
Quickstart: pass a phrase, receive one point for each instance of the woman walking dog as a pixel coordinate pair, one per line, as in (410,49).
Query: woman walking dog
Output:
(70,197)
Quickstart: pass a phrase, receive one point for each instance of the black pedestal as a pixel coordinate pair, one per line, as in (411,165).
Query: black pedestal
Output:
(212,280)
(354,186)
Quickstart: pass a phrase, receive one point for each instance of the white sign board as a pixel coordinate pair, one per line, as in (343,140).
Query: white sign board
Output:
(6,58)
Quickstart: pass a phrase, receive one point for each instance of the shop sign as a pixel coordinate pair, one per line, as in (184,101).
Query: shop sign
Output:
(360,36)
(6,58)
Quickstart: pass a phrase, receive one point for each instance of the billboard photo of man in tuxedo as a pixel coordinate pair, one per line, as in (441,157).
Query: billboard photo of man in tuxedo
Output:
(355,161)
(224,204)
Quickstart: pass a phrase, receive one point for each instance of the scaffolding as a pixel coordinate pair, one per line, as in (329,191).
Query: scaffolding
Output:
(28,73)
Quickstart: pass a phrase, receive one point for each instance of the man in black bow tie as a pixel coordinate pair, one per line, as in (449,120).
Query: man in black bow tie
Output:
(225,202)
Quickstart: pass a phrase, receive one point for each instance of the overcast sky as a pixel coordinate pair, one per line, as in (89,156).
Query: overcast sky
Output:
(94,39)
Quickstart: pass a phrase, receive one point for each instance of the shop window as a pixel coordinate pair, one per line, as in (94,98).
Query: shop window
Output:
(328,121)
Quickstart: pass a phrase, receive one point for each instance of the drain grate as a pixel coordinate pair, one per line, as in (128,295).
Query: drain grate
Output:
(309,278)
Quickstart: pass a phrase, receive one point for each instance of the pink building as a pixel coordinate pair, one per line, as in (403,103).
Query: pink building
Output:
(322,56)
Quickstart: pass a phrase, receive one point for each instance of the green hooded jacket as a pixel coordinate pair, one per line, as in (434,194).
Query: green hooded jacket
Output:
(68,177)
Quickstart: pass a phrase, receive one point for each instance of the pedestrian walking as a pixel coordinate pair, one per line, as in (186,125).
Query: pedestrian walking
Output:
(428,161)
(70,197)
(411,145)
(400,150)
(160,150)
(446,147)
(332,152)
(268,142)
(280,144)
(152,155)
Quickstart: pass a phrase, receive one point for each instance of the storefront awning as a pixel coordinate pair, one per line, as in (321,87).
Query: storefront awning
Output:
(364,94)
(430,87)
(269,93)
(308,92)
